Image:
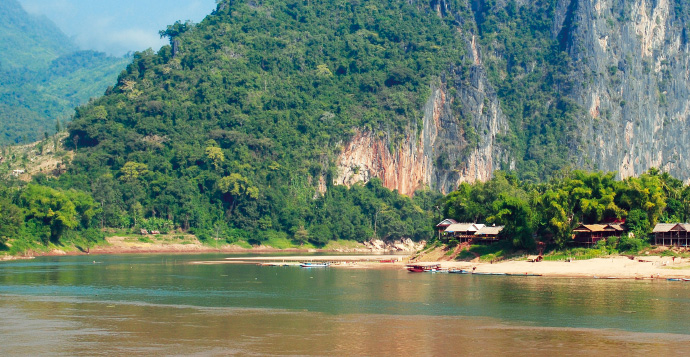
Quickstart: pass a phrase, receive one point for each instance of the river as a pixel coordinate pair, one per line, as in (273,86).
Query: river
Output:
(163,305)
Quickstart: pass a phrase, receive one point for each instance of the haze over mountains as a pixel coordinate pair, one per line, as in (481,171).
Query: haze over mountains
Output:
(43,75)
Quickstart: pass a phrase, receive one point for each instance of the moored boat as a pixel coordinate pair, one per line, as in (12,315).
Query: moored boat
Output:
(315,265)
(458,271)
(418,268)
(487,273)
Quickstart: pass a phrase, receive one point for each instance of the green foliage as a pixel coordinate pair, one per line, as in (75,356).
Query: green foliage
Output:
(552,210)
(243,123)
(35,215)
(638,222)
(631,244)
(157,224)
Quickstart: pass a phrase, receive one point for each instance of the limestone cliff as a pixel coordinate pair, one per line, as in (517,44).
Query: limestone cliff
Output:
(439,157)
(629,73)
(634,77)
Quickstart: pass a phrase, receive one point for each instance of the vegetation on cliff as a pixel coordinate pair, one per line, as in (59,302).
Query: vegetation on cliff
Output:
(236,125)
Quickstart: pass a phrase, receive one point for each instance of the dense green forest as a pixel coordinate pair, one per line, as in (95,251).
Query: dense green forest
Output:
(232,132)
(43,76)
(548,212)
(238,124)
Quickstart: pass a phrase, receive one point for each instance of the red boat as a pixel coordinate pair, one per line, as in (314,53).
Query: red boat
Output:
(418,268)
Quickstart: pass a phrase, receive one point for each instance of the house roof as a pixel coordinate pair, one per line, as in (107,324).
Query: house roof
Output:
(618,227)
(464,227)
(668,227)
(489,231)
(598,228)
(590,228)
(446,222)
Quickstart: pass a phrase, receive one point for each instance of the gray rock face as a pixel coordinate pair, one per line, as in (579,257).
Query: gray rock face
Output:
(632,60)
(630,74)
(440,157)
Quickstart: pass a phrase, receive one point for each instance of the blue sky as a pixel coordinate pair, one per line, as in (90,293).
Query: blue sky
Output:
(118,26)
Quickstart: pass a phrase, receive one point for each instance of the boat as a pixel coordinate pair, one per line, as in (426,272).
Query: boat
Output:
(418,268)
(458,271)
(674,279)
(315,265)
(525,274)
(485,273)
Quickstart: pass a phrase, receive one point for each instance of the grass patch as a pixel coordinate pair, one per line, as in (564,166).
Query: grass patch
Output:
(278,242)
(337,244)
(487,253)
(242,244)
(576,254)
(20,247)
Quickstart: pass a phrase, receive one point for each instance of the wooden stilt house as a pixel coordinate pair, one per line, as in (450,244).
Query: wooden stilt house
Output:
(488,234)
(590,234)
(463,231)
(441,227)
(672,234)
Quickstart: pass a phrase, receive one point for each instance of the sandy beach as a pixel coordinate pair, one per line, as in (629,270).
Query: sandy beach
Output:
(643,267)
(621,267)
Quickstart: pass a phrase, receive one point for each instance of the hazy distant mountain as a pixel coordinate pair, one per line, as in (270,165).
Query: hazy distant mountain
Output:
(29,41)
(43,75)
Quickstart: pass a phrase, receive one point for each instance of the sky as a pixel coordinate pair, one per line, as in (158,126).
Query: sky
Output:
(118,26)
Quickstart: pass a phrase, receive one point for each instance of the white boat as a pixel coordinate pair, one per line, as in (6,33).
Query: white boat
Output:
(315,265)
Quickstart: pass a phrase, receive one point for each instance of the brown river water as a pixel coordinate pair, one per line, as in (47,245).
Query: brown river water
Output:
(162,305)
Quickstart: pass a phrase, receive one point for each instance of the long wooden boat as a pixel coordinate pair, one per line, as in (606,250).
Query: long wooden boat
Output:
(315,265)
(419,268)
(459,271)
(485,273)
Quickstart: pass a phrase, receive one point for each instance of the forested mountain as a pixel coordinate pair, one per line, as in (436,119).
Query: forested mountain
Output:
(43,75)
(249,122)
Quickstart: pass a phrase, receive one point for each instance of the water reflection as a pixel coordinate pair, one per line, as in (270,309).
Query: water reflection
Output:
(163,305)
(77,328)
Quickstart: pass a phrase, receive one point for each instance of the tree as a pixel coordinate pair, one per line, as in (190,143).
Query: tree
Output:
(638,223)
(215,154)
(11,220)
(516,215)
(51,208)
(131,171)
(236,187)
(176,29)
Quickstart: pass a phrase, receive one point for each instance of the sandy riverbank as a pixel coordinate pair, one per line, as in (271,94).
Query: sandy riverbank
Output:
(614,267)
(617,267)
(176,244)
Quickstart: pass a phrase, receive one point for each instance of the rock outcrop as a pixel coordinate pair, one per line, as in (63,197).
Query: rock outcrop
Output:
(439,157)
(403,245)
(634,74)
(631,74)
